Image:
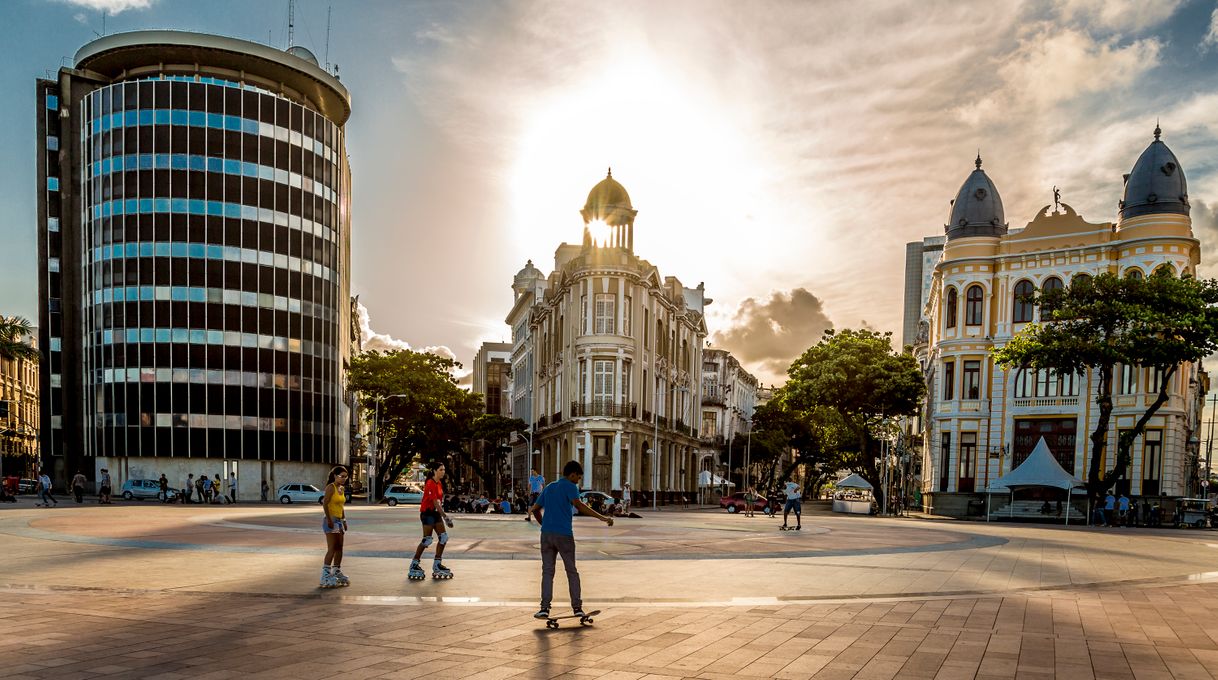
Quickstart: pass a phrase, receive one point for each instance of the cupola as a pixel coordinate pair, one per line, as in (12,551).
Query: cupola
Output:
(977,210)
(1156,184)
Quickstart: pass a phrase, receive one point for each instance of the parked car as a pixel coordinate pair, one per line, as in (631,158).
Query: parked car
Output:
(588,496)
(401,493)
(139,489)
(299,493)
(27,485)
(734,503)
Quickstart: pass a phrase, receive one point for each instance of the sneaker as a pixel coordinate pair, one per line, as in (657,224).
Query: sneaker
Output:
(542,614)
(579,613)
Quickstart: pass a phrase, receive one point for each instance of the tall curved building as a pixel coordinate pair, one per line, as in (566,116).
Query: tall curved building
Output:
(195,237)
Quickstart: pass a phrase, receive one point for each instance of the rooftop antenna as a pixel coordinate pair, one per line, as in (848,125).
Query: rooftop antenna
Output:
(291,23)
(329,9)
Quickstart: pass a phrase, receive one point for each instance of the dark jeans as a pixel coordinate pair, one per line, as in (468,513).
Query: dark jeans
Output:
(47,498)
(79,493)
(553,545)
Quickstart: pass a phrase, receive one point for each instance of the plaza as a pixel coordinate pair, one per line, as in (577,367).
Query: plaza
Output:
(151,590)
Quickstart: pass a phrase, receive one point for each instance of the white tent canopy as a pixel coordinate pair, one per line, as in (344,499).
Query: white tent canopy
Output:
(854,481)
(1040,469)
(706,479)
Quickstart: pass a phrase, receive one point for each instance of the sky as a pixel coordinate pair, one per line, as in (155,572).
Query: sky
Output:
(782,153)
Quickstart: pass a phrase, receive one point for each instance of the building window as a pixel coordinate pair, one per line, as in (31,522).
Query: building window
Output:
(973,305)
(53,224)
(952,308)
(972,380)
(52,143)
(1023,307)
(56,343)
(602,383)
(949,380)
(52,184)
(1156,379)
(626,381)
(626,314)
(53,264)
(945,460)
(583,314)
(1164,270)
(1134,274)
(708,424)
(605,314)
(1152,449)
(968,454)
(1052,283)
(1127,379)
(52,102)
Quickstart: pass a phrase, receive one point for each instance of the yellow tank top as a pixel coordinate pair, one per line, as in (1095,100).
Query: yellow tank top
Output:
(337,500)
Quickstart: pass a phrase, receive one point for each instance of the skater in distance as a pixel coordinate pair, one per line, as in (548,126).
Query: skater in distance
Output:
(793,493)
(334,525)
(558,537)
(434,519)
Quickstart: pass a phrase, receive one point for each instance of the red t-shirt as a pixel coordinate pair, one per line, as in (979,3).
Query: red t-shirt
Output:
(433,495)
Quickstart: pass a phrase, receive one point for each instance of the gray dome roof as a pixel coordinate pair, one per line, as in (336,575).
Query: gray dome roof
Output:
(977,210)
(1156,184)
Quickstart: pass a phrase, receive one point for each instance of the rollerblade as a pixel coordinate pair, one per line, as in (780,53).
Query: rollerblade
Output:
(439,571)
(327,578)
(416,572)
(340,578)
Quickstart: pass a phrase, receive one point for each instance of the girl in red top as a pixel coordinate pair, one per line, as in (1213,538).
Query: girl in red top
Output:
(431,513)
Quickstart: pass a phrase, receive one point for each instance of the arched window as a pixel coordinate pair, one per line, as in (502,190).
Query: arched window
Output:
(1024,309)
(973,305)
(953,304)
(1164,270)
(1050,284)
(1081,280)
(1133,273)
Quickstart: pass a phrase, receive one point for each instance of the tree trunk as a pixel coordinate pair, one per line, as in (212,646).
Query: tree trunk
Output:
(1099,438)
(870,472)
(1125,440)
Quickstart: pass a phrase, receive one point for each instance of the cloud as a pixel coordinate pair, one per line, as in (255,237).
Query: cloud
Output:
(110,6)
(1211,36)
(383,342)
(767,335)
(1119,15)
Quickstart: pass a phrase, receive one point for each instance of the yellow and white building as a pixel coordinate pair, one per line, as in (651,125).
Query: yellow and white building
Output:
(981,421)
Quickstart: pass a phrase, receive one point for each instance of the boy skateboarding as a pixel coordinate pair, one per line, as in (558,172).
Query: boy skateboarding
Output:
(793,493)
(557,536)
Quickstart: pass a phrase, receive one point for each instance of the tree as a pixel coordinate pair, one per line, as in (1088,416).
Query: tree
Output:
(13,331)
(423,414)
(843,389)
(1096,324)
(494,431)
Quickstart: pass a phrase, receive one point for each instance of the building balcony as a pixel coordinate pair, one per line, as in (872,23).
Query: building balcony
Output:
(1035,402)
(973,405)
(603,409)
(712,439)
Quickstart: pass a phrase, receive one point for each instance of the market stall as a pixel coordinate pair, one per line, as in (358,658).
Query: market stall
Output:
(853,495)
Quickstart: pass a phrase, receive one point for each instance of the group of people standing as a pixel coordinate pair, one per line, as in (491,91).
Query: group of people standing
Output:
(551,506)
(1122,511)
(205,489)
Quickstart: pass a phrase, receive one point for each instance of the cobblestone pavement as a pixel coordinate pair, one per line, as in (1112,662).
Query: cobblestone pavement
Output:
(144,590)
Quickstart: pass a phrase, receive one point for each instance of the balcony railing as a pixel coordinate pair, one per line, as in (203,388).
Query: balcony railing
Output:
(603,409)
(1045,401)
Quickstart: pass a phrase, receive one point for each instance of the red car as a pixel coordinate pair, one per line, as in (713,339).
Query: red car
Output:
(734,503)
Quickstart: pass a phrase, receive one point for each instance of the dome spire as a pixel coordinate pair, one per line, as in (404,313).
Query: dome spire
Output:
(978,161)
(1157,130)
(610,173)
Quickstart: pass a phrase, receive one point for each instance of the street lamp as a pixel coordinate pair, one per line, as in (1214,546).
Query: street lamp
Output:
(374,458)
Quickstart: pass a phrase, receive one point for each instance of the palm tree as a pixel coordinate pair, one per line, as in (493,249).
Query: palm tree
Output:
(13,331)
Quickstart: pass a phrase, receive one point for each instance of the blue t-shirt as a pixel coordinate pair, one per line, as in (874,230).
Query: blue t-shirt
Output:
(555,501)
(536,483)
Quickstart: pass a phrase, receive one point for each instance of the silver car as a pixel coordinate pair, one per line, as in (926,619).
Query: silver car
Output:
(299,493)
(401,493)
(139,489)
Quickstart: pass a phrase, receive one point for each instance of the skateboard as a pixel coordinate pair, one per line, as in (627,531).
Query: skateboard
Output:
(552,622)
(787,528)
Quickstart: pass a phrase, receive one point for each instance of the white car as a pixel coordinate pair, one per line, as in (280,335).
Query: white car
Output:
(299,493)
(401,493)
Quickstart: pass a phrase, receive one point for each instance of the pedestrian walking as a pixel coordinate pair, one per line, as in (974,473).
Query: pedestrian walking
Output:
(163,494)
(536,484)
(334,525)
(104,488)
(1123,510)
(44,490)
(232,487)
(626,498)
(189,488)
(558,535)
(78,487)
(218,492)
(207,490)
(1109,508)
(793,495)
(435,520)
(266,490)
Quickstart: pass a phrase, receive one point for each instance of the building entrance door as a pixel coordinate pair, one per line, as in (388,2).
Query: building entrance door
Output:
(1059,434)
(602,463)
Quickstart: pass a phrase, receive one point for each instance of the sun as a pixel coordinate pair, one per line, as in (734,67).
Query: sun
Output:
(600,232)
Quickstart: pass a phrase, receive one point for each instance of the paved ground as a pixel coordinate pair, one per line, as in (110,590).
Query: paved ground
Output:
(144,590)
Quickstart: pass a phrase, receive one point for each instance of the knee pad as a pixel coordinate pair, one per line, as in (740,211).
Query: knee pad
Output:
(426,541)
(444,538)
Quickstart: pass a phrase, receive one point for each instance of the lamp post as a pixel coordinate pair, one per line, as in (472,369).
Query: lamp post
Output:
(374,458)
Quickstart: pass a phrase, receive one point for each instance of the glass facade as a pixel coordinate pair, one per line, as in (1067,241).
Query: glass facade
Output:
(213,237)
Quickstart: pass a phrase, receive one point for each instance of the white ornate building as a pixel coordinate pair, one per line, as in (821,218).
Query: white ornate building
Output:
(982,421)
(606,358)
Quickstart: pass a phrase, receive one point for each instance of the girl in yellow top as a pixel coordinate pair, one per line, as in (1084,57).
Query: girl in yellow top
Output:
(334,524)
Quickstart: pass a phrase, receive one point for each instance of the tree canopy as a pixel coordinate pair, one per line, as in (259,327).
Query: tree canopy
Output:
(13,331)
(1098,323)
(423,413)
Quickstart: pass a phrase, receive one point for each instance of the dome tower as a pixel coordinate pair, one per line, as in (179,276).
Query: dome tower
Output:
(608,215)
(1156,185)
(977,210)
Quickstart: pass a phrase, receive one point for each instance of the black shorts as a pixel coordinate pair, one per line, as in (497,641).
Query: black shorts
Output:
(431,518)
(105,491)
